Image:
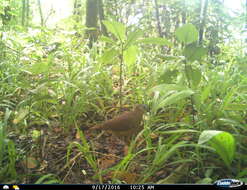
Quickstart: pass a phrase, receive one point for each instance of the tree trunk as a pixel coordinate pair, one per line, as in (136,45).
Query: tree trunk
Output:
(102,17)
(246,22)
(25,13)
(91,20)
(203,16)
(40,13)
(6,15)
(77,10)
(166,18)
(75,7)
(246,14)
(157,14)
(184,12)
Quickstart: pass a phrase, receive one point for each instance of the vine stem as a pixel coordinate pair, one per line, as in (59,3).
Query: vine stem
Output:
(121,76)
(189,84)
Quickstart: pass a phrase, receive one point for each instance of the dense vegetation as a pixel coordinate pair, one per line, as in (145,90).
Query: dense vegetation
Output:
(184,59)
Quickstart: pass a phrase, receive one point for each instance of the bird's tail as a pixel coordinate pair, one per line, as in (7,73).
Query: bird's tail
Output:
(95,127)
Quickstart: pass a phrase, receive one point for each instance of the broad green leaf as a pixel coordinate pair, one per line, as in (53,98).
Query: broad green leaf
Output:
(223,143)
(167,87)
(174,98)
(207,136)
(22,113)
(116,28)
(168,75)
(196,98)
(36,134)
(205,93)
(225,146)
(194,75)
(168,57)
(229,122)
(156,41)
(242,88)
(236,107)
(7,115)
(108,55)
(107,39)
(194,52)
(229,97)
(242,173)
(187,34)
(130,55)
(39,68)
(132,38)
(243,179)
(181,78)
(178,131)
(42,88)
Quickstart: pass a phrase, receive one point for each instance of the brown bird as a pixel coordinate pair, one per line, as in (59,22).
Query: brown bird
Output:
(126,125)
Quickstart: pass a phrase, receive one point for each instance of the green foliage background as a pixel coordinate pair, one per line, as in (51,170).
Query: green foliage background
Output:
(52,79)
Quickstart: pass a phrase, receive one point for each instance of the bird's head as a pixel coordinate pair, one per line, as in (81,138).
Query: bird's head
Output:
(142,108)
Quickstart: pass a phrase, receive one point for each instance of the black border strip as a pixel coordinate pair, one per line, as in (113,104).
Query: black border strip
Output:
(114,187)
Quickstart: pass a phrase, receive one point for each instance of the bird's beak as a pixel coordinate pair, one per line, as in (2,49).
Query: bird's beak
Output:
(146,107)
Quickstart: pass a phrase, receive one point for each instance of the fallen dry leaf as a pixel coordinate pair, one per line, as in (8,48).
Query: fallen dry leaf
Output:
(43,165)
(107,161)
(154,136)
(22,113)
(57,129)
(30,163)
(77,135)
(187,138)
(128,177)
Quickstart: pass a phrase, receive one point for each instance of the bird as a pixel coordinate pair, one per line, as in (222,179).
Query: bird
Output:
(125,125)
